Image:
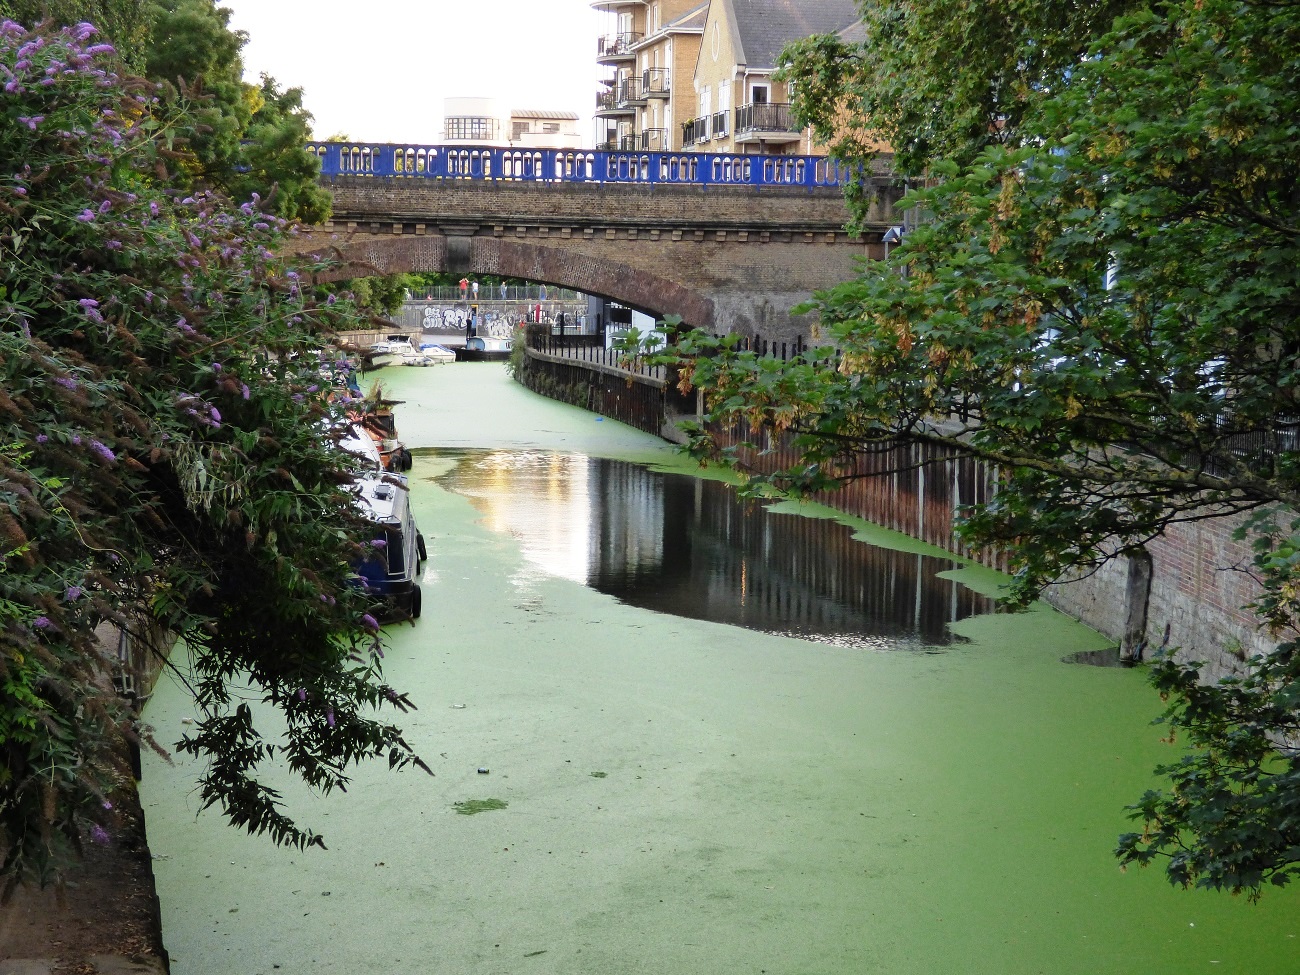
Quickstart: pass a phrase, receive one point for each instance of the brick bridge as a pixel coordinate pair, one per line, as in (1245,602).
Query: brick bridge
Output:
(725,256)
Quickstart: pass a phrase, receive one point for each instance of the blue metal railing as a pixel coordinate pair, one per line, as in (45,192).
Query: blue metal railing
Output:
(574,165)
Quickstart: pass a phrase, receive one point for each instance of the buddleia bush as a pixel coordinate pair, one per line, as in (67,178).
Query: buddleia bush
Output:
(168,464)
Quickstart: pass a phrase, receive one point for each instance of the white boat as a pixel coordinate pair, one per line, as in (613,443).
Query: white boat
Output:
(427,355)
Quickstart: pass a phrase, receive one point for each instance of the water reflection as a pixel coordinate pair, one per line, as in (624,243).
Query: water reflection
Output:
(687,546)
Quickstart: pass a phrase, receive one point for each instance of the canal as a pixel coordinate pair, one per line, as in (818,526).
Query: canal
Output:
(714,739)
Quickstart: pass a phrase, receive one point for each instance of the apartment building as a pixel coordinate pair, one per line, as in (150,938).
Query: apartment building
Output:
(690,75)
(649,51)
(740,107)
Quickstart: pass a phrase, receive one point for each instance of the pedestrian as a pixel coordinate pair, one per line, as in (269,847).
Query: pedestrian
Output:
(474,287)
(542,293)
(464,288)
(503,291)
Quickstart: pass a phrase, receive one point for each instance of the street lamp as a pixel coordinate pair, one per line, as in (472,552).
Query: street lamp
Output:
(894,235)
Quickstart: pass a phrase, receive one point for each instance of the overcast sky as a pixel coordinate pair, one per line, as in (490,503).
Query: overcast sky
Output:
(379,71)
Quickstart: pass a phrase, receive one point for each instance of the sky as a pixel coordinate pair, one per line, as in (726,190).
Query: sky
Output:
(379,72)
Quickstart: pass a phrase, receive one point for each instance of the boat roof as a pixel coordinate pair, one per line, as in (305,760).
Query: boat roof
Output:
(357,441)
(383,498)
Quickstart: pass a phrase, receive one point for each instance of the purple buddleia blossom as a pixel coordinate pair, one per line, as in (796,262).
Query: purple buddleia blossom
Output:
(370,622)
(99,835)
(72,594)
(103,451)
(42,623)
(329,717)
(66,382)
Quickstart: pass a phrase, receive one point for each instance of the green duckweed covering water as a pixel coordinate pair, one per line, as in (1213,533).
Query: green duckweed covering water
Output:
(770,805)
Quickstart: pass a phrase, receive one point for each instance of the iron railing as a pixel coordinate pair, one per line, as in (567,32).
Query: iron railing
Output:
(765,117)
(629,92)
(655,140)
(618,160)
(617,45)
(656,82)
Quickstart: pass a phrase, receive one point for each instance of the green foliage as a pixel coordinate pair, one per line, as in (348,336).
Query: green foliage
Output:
(123,23)
(1102,305)
(938,79)
(168,463)
(242,139)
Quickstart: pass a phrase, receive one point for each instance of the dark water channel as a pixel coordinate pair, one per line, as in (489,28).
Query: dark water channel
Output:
(690,547)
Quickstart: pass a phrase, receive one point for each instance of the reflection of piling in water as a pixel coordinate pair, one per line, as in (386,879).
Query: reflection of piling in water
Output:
(691,547)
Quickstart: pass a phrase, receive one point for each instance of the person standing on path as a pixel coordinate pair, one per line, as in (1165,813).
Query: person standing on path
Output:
(464,288)
(474,287)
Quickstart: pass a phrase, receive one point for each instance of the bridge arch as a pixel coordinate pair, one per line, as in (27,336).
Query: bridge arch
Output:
(629,283)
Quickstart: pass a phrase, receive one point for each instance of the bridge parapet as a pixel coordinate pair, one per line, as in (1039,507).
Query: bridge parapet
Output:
(579,165)
(726,255)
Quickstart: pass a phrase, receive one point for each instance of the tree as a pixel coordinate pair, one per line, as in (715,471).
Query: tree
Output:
(1104,307)
(167,463)
(937,79)
(243,139)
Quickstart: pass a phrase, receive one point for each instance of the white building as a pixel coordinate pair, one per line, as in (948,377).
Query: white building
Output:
(480,121)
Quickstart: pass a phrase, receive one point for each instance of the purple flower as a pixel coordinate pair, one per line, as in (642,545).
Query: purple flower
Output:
(72,594)
(329,717)
(31,121)
(244,390)
(42,438)
(370,622)
(215,414)
(378,543)
(65,382)
(153,207)
(302,693)
(103,452)
(216,367)
(86,216)
(42,623)
(106,804)
(99,835)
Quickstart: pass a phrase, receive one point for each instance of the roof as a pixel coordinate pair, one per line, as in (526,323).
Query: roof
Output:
(541,113)
(766,26)
(855,33)
(692,20)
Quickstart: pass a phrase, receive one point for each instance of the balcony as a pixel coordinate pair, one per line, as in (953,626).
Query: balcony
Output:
(655,140)
(719,127)
(629,142)
(695,131)
(654,83)
(630,93)
(770,122)
(617,47)
(609,103)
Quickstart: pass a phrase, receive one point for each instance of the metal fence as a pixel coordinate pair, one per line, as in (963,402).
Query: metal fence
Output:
(627,164)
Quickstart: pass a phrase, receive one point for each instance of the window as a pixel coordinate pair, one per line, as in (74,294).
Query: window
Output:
(551,128)
(758,94)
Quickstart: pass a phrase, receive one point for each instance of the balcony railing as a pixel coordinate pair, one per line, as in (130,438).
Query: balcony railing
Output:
(656,140)
(765,117)
(629,143)
(617,45)
(630,92)
(720,125)
(696,131)
(605,101)
(655,82)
